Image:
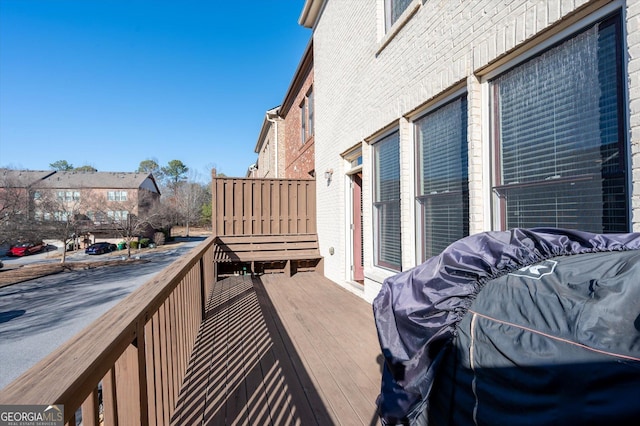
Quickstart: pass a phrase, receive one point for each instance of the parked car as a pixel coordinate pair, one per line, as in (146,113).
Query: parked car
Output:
(23,249)
(101,248)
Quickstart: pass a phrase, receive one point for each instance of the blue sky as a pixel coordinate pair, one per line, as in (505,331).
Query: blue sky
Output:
(110,83)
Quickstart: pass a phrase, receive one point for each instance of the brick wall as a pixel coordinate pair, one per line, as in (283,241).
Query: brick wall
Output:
(366,82)
(299,157)
(633,72)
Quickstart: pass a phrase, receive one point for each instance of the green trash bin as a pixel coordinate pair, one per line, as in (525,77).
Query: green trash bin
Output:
(122,245)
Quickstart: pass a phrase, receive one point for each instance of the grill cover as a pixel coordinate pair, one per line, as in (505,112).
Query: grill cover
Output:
(537,326)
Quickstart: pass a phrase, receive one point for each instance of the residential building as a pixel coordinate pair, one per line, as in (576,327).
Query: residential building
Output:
(114,194)
(297,111)
(436,119)
(103,197)
(270,147)
(17,189)
(285,146)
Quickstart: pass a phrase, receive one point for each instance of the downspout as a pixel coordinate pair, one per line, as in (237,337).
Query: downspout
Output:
(275,121)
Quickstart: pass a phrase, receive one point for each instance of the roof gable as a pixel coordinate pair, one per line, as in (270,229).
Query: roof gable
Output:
(112,180)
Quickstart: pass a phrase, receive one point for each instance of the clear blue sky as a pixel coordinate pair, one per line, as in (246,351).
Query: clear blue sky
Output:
(110,83)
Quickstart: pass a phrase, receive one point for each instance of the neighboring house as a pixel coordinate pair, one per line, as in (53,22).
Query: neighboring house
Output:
(112,193)
(270,147)
(103,197)
(285,146)
(297,110)
(440,119)
(17,189)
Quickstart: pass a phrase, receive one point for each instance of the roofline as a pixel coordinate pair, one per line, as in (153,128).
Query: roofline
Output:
(304,68)
(272,114)
(310,13)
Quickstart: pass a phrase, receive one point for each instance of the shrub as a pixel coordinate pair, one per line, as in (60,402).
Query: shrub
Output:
(133,244)
(144,242)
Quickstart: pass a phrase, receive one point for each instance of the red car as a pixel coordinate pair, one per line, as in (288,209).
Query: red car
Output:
(23,249)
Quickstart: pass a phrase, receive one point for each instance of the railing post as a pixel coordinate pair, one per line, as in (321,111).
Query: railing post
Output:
(109,398)
(90,410)
(127,388)
(142,372)
(203,289)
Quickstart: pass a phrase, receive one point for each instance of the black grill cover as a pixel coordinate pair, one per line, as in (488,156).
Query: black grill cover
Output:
(518,327)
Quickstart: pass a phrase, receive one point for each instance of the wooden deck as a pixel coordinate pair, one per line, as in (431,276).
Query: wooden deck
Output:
(282,350)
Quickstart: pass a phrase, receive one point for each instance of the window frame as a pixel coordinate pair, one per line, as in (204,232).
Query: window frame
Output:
(378,204)
(306,117)
(117,195)
(118,216)
(421,197)
(608,15)
(389,20)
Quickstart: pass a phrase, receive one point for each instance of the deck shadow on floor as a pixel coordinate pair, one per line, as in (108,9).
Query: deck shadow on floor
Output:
(244,368)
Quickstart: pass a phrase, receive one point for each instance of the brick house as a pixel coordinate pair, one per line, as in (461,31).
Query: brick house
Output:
(285,146)
(116,193)
(298,113)
(103,197)
(17,189)
(454,118)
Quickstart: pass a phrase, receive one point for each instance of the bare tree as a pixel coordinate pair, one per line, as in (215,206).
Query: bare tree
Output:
(58,214)
(129,218)
(14,207)
(188,199)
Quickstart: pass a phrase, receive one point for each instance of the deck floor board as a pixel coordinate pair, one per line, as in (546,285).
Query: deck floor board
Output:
(284,351)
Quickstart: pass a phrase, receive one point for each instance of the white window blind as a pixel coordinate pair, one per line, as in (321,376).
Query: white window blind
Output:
(443,192)
(387,202)
(560,141)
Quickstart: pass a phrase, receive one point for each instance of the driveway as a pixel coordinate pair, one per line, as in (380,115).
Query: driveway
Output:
(38,315)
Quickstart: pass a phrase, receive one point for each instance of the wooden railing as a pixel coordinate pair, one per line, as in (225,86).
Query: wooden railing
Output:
(246,206)
(135,356)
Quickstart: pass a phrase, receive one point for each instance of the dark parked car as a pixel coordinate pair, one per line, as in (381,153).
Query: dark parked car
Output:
(23,249)
(101,248)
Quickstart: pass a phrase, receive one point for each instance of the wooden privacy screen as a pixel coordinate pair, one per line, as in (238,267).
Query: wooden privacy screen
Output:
(247,206)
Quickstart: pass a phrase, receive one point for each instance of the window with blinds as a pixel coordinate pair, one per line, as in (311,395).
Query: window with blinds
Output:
(560,146)
(443,183)
(386,203)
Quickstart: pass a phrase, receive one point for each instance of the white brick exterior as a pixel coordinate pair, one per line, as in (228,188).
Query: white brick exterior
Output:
(367,82)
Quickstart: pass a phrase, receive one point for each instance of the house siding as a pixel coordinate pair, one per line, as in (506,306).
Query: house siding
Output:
(271,160)
(366,83)
(299,157)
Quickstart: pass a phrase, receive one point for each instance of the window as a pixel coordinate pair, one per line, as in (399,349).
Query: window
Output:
(560,136)
(392,11)
(306,117)
(62,216)
(68,195)
(386,202)
(443,184)
(117,195)
(118,215)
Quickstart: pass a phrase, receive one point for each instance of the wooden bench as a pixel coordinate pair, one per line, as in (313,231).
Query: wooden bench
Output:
(255,254)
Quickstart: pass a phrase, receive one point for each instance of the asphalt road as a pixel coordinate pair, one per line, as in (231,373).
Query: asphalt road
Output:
(39,315)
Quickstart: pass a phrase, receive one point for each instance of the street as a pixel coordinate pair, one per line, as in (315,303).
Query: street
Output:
(38,315)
